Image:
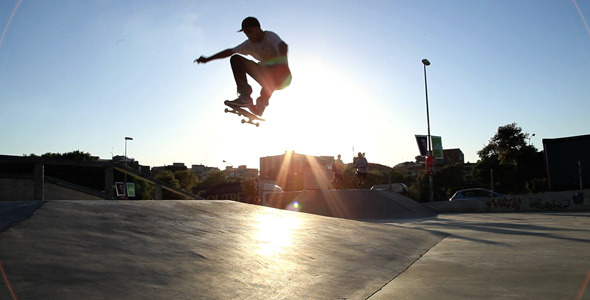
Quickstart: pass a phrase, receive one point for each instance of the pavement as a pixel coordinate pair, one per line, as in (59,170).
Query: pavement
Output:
(229,250)
(499,256)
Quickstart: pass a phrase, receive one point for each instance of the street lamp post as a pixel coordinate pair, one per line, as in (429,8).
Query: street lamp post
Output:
(229,164)
(530,138)
(126,139)
(429,159)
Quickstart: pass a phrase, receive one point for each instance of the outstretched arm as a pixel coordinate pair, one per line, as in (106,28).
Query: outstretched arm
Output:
(223,54)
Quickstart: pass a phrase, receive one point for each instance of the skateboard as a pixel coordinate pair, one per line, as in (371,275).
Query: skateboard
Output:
(242,112)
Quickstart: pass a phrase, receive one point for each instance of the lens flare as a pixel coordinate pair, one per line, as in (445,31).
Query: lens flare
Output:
(9,21)
(582,16)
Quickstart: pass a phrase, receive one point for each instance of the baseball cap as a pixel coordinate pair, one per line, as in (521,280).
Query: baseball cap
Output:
(249,22)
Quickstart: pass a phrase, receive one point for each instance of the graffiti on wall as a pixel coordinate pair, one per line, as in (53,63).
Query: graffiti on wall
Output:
(228,196)
(549,204)
(536,203)
(512,203)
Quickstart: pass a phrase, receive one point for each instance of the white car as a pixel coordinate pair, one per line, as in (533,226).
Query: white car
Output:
(268,188)
(472,194)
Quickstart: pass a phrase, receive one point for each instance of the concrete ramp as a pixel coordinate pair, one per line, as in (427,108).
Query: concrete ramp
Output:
(351,204)
(200,250)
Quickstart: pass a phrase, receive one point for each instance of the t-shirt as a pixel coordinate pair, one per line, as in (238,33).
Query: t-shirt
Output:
(338,166)
(266,51)
(362,164)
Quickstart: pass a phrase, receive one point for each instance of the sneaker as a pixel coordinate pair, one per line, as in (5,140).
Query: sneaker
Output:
(257,109)
(241,101)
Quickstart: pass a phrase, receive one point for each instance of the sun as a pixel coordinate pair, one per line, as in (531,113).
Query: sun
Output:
(320,106)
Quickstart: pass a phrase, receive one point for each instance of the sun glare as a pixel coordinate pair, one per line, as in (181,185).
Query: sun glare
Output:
(275,233)
(321,105)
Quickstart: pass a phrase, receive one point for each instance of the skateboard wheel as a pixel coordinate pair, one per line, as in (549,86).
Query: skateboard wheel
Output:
(243,121)
(257,124)
(226,110)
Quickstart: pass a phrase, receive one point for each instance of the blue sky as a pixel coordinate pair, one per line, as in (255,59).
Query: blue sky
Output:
(82,75)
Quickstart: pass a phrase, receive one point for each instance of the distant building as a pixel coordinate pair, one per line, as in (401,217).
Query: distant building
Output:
(241,172)
(203,171)
(452,156)
(294,172)
(123,159)
(131,163)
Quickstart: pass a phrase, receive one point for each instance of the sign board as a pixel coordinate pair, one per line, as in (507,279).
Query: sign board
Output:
(130,189)
(422,141)
(437,148)
(120,187)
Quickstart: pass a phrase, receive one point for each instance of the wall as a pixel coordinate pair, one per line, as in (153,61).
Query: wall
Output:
(22,190)
(553,201)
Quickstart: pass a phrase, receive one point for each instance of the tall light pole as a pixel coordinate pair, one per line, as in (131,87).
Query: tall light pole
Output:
(429,159)
(530,138)
(126,139)
(229,164)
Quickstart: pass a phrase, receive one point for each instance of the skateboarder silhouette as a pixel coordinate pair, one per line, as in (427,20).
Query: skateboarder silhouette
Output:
(271,70)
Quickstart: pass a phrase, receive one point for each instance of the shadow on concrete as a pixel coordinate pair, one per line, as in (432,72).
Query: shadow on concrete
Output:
(504,224)
(16,211)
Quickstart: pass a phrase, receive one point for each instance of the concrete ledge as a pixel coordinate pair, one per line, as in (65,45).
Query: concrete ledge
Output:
(22,189)
(552,201)
(351,204)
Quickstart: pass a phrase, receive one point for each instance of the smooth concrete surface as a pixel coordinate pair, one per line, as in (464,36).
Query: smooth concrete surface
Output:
(229,250)
(200,250)
(500,256)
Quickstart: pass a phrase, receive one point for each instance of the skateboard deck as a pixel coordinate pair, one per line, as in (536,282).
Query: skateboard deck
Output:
(242,112)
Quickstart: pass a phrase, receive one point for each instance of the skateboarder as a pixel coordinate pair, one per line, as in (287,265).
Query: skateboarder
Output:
(338,169)
(362,169)
(271,71)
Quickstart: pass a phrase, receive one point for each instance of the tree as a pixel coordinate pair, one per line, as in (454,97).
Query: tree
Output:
(516,165)
(74,155)
(214,179)
(447,180)
(250,188)
(187,180)
(168,177)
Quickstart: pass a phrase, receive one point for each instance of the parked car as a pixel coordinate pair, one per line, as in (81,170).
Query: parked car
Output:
(472,194)
(396,187)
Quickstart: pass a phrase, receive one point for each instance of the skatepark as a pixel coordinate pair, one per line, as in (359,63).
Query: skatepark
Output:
(203,249)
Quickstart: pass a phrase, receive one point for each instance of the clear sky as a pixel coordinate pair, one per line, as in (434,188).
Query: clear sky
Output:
(83,75)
